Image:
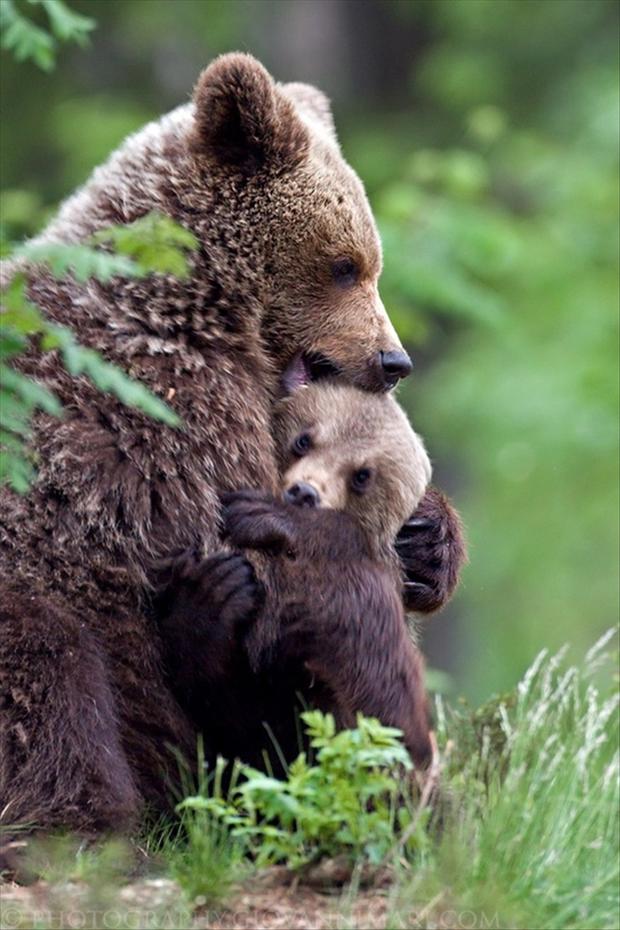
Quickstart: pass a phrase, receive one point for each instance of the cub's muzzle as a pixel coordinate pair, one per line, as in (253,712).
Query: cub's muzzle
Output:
(302,495)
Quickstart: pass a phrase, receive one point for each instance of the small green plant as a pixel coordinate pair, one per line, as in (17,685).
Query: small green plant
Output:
(207,860)
(349,803)
(66,858)
(153,244)
(200,851)
(28,41)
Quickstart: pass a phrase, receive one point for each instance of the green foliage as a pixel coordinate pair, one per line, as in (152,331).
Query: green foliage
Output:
(80,261)
(198,850)
(532,832)
(64,858)
(493,174)
(204,858)
(500,229)
(345,804)
(528,817)
(80,877)
(28,41)
(152,244)
(531,401)
(529,803)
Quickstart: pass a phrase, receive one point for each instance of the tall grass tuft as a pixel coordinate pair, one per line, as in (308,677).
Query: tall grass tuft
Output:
(531,838)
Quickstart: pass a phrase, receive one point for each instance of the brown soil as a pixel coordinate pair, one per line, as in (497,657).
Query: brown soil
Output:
(265,902)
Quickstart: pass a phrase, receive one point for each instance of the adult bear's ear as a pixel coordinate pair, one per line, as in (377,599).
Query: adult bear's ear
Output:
(242,120)
(314,106)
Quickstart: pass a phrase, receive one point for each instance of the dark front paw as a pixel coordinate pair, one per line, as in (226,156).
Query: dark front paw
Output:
(254,520)
(205,595)
(432,552)
(224,587)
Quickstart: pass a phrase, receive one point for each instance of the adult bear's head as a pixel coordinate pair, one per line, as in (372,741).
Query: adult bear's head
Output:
(273,149)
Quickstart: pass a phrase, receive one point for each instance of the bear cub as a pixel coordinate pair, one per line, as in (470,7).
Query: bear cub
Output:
(325,625)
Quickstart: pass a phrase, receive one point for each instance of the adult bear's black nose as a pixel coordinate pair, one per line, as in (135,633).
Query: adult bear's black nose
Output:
(302,495)
(395,365)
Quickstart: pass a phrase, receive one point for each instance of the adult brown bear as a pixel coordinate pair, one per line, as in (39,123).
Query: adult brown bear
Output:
(288,262)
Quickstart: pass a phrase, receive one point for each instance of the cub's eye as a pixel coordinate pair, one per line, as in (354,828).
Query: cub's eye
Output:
(361,479)
(302,444)
(345,272)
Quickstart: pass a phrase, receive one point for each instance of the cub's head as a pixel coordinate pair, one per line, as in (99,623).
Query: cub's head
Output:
(341,448)
(275,147)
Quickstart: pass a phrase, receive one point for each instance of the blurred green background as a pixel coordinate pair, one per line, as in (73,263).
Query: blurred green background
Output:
(486,132)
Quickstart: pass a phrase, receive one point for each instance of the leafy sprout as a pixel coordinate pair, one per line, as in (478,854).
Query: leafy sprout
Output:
(345,804)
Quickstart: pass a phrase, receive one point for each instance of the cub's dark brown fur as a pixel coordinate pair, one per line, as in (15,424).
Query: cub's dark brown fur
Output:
(340,617)
(253,168)
(333,625)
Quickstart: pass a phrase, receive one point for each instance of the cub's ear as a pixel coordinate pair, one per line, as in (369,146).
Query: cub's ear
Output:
(242,120)
(313,106)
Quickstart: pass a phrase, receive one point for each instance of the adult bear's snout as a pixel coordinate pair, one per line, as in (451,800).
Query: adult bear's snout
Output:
(394,365)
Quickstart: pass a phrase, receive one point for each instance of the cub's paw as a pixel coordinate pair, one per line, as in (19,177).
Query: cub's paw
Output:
(254,520)
(431,548)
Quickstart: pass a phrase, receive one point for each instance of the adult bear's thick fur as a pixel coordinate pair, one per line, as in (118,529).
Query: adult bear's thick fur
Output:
(288,262)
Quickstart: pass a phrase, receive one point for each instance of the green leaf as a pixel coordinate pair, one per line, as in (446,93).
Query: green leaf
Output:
(32,393)
(14,413)
(79,360)
(11,441)
(24,39)
(27,41)
(155,242)
(19,313)
(344,804)
(196,803)
(53,338)
(81,261)
(11,343)
(15,469)
(67,25)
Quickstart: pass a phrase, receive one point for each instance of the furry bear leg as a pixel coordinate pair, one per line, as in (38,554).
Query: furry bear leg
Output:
(61,759)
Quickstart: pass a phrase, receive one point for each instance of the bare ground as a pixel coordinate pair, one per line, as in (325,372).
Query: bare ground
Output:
(265,902)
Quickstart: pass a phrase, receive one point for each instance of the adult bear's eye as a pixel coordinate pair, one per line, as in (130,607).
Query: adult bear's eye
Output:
(302,444)
(361,479)
(345,272)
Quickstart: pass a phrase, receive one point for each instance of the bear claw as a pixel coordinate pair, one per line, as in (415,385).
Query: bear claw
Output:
(257,521)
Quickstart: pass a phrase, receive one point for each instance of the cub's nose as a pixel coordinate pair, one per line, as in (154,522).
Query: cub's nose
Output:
(302,495)
(395,365)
